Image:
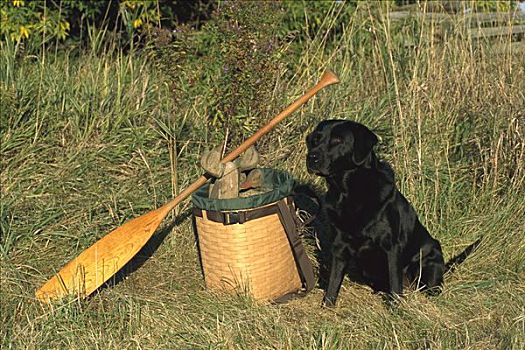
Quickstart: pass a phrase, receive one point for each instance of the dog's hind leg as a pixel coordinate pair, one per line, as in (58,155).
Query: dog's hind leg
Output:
(431,270)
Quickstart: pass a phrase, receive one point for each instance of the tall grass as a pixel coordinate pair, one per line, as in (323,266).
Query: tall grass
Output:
(89,141)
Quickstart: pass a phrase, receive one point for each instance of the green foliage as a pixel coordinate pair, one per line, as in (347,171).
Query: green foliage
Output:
(139,14)
(8,102)
(494,5)
(39,22)
(21,20)
(304,18)
(243,43)
(232,62)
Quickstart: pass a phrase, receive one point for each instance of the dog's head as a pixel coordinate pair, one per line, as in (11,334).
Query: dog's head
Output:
(338,145)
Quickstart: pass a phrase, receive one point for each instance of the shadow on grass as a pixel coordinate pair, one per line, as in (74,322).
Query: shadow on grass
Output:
(145,253)
(309,199)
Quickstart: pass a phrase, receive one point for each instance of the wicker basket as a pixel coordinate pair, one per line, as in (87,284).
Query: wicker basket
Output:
(247,250)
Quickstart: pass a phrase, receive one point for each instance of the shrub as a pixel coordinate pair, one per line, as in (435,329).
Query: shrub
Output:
(40,22)
(233,62)
(24,19)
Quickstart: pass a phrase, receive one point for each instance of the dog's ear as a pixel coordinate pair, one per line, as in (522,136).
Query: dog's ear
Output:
(364,141)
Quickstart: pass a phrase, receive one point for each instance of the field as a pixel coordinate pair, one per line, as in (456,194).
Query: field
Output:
(91,139)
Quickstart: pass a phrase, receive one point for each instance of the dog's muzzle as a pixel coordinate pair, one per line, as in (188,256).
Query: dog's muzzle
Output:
(315,163)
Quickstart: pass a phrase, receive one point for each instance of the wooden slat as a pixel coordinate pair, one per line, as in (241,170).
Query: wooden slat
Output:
(478,33)
(401,15)
(496,17)
(473,18)
(516,47)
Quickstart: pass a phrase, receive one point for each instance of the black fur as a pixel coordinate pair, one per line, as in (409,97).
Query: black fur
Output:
(378,236)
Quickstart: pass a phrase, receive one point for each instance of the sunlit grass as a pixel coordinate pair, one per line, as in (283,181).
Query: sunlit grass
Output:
(87,143)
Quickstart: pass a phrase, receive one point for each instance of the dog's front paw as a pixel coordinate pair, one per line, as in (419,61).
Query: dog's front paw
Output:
(392,300)
(433,291)
(329,301)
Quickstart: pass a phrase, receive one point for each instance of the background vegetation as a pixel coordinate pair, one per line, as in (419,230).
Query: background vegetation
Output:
(107,121)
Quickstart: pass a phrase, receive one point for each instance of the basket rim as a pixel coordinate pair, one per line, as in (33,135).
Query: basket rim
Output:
(281,183)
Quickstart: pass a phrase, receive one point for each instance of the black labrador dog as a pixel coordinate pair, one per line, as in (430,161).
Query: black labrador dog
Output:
(378,236)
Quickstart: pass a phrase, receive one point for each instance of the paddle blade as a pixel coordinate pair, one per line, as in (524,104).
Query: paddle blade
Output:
(95,265)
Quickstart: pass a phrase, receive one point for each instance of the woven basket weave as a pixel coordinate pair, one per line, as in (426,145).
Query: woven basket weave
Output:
(253,257)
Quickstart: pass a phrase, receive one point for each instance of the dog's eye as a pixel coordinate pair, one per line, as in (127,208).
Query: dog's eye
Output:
(334,141)
(313,139)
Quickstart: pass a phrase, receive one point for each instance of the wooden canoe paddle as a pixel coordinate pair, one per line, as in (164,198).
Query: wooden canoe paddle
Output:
(98,263)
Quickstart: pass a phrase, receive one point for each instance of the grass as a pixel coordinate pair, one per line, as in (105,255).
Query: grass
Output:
(87,143)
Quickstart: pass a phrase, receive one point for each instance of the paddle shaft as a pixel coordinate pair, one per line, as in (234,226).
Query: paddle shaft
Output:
(328,78)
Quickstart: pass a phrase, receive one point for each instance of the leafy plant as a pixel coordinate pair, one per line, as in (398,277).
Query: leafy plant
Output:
(21,20)
(40,22)
(232,62)
(304,19)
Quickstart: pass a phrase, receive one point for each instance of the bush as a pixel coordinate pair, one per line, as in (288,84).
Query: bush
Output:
(41,22)
(233,62)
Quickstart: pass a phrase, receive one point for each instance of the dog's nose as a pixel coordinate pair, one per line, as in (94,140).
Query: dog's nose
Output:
(313,158)
(314,162)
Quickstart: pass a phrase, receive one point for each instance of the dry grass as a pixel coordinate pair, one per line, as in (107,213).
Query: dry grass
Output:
(82,151)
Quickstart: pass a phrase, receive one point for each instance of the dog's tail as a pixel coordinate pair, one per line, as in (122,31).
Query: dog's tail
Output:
(458,259)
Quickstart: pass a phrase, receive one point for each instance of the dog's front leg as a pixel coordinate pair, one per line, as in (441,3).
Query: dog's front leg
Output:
(395,273)
(337,272)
